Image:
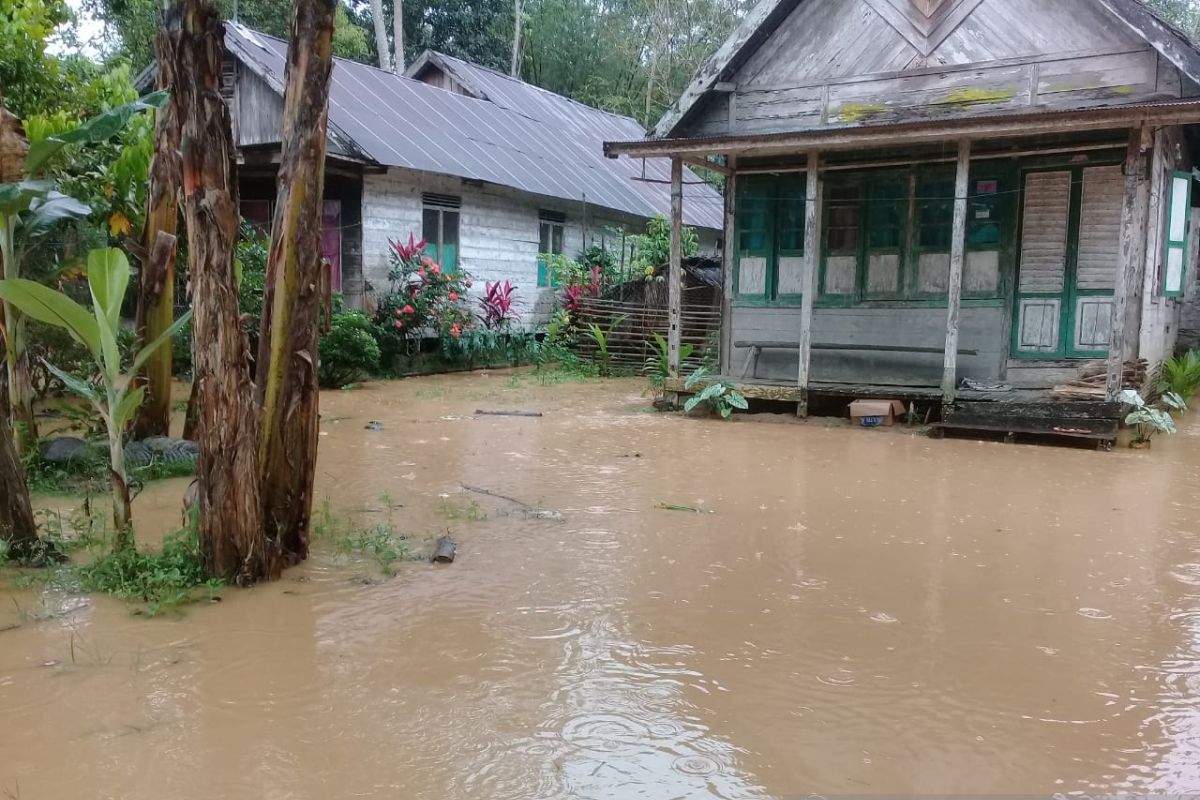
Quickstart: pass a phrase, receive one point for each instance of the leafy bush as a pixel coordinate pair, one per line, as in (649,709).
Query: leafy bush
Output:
(499,305)
(162,580)
(422,298)
(653,248)
(600,337)
(349,351)
(1181,375)
(720,396)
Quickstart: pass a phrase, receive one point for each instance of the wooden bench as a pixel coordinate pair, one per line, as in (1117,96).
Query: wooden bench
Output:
(756,348)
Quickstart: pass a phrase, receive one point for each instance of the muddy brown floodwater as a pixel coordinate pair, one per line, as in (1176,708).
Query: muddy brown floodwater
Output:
(864,612)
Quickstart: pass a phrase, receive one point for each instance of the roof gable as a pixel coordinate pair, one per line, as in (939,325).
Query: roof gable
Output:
(554,149)
(805,64)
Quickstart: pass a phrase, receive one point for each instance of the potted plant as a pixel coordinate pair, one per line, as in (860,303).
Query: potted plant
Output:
(1149,420)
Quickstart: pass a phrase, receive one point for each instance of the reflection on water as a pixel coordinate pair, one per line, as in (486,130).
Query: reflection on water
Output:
(865,612)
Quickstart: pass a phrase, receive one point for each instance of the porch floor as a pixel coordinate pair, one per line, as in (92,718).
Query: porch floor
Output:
(1019,412)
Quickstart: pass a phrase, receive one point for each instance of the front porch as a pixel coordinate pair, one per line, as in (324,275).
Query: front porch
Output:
(930,263)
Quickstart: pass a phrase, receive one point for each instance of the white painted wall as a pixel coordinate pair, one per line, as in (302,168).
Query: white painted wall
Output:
(498,230)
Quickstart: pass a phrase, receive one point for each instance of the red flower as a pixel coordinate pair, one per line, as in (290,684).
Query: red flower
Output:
(408,310)
(421,272)
(468,282)
(427,261)
(455,330)
(454,296)
(435,268)
(399,324)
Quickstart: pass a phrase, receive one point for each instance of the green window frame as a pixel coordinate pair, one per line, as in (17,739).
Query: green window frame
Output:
(1178,223)
(552,229)
(440,224)
(890,220)
(769,234)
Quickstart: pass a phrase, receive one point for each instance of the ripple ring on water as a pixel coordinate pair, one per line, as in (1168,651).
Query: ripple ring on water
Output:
(696,765)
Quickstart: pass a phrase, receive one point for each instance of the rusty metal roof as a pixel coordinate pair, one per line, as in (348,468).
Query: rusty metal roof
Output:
(519,136)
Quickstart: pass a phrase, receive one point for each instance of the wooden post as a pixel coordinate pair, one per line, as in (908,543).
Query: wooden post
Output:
(1133,221)
(958,251)
(675,276)
(812,262)
(728,258)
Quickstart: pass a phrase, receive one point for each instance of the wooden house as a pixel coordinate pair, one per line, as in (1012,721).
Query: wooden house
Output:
(495,173)
(927,195)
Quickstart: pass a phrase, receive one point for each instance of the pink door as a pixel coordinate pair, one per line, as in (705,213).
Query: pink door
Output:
(331,240)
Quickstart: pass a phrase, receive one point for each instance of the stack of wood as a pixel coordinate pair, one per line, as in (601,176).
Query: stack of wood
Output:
(1092,382)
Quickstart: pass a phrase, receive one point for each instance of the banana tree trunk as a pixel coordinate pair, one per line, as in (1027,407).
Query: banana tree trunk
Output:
(16,351)
(287,357)
(16,513)
(230,525)
(122,504)
(156,291)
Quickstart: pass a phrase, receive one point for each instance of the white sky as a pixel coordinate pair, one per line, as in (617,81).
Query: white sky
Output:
(85,37)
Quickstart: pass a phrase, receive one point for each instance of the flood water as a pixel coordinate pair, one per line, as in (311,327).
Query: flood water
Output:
(863,612)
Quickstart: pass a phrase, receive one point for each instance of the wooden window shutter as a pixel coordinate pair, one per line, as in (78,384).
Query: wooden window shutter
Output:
(1044,232)
(1178,218)
(1099,254)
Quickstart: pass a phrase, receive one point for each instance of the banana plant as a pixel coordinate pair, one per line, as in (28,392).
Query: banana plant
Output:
(29,209)
(116,398)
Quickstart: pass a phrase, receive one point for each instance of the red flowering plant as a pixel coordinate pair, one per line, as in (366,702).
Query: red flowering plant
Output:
(424,298)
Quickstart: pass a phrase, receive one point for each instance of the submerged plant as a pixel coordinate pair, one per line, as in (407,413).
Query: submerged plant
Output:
(720,396)
(1150,420)
(97,329)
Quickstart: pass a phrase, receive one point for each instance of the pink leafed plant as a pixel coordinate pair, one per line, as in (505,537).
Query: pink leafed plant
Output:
(410,250)
(498,306)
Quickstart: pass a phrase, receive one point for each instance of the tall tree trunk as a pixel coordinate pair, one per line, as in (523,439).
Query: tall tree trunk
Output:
(156,292)
(287,357)
(518,24)
(13,148)
(398,63)
(381,40)
(16,513)
(232,544)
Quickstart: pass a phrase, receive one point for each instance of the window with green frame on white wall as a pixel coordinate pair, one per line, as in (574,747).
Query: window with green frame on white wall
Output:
(552,226)
(769,239)
(1179,214)
(440,215)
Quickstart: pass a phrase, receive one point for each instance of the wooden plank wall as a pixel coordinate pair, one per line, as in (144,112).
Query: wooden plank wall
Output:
(855,62)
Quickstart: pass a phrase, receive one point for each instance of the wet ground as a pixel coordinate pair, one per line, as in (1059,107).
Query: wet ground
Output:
(862,612)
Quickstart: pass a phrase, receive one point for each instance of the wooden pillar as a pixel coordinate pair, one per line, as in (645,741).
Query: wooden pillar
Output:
(1133,224)
(728,258)
(958,251)
(812,262)
(675,276)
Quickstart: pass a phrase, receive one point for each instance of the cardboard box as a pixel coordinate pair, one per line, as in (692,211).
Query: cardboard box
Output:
(876,413)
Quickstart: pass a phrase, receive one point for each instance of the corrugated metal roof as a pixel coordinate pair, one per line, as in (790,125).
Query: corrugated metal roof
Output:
(521,136)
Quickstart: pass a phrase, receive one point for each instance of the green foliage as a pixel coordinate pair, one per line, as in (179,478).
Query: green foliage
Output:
(721,397)
(422,298)
(117,399)
(1181,375)
(381,543)
(31,79)
(600,337)
(163,580)
(657,367)
(1150,420)
(349,352)
(349,37)
(653,248)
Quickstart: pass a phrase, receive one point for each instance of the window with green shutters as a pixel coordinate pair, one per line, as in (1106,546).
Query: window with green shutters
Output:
(887,235)
(769,238)
(1179,211)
